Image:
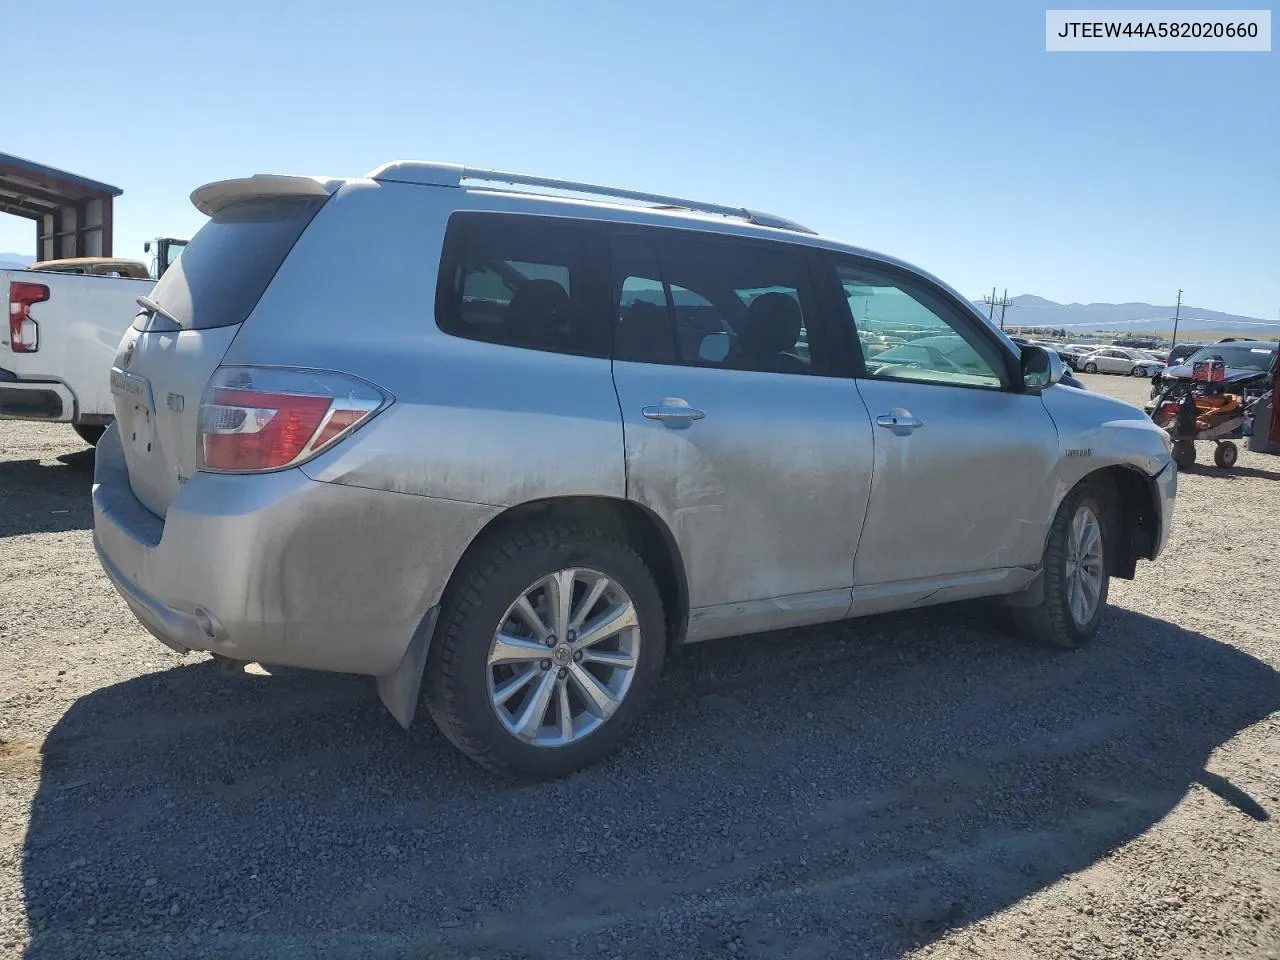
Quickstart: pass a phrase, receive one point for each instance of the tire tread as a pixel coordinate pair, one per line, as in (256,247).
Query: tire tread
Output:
(461,600)
(1048,622)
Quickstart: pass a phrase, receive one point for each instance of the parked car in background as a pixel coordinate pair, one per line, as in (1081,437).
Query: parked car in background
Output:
(1179,352)
(1072,354)
(583,435)
(1241,357)
(56,351)
(1064,352)
(1248,365)
(1061,349)
(1125,360)
(1076,352)
(95,266)
(1068,377)
(873,344)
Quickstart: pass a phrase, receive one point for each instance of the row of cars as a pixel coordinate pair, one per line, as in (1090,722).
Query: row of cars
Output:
(1080,357)
(943,352)
(1109,358)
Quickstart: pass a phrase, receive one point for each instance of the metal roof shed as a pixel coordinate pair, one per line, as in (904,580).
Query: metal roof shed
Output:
(72,213)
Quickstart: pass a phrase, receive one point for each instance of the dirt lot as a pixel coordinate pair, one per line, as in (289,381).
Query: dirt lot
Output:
(917,784)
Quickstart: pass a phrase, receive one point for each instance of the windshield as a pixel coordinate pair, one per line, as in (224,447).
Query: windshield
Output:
(1235,355)
(175,250)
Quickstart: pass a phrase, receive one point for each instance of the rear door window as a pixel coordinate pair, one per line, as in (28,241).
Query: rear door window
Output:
(225,268)
(523,281)
(699,300)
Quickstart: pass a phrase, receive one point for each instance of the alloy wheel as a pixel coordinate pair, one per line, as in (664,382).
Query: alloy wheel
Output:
(1085,573)
(563,657)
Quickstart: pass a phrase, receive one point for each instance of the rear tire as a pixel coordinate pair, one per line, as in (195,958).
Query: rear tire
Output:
(464,684)
(1184,454)
(90,434)
(1074,575)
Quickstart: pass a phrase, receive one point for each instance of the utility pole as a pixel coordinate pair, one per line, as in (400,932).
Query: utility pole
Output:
(991,305)
(1005,302)
(1177,311)
(1002,303)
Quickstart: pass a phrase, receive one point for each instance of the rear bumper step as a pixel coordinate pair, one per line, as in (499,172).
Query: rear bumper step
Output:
(35,401)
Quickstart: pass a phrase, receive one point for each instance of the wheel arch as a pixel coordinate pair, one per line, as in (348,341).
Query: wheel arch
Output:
(1132,501)
(640,527)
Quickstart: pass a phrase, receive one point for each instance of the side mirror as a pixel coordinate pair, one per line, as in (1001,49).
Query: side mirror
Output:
(146,247)
(1041,368)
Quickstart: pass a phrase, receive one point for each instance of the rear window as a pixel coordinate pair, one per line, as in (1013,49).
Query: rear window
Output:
(224,270)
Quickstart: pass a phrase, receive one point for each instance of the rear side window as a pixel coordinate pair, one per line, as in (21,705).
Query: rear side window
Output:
(523,281)
(224,270)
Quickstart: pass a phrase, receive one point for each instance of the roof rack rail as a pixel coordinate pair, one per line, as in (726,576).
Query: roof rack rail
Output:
(452,175)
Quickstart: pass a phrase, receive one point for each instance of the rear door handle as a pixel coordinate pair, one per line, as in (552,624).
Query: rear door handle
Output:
(673,411)
(900,421)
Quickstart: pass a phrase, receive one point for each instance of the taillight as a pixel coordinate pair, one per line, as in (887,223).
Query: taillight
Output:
(267,418)
(24,332)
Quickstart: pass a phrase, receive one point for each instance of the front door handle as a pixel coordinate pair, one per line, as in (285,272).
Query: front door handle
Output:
(674,412)
(900,421)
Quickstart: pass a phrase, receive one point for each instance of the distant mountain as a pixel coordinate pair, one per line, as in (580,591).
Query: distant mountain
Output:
(1032,311)
(14,261)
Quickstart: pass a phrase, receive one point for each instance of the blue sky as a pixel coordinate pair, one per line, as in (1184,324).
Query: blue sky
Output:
(942,133)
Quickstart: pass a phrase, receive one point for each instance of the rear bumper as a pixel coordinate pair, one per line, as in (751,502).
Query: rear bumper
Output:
(279,568)
(25,400)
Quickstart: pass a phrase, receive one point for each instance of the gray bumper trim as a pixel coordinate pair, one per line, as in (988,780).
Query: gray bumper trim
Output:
(176,630)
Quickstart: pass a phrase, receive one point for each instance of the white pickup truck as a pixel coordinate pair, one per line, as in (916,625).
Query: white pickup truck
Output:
(56,349)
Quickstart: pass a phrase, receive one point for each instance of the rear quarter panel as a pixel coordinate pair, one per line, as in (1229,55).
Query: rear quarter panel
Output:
(471,421)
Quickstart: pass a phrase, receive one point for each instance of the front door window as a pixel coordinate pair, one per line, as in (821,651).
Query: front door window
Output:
(905,338)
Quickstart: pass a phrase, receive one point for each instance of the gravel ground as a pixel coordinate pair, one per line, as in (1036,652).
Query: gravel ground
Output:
(911,785)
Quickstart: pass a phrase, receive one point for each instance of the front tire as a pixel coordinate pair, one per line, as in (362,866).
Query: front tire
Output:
(1226,454)
(1184,454)
(549,649)
(1075,576)
(1090,368)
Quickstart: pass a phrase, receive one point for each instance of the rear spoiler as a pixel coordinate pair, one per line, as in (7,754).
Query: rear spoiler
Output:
(213,197)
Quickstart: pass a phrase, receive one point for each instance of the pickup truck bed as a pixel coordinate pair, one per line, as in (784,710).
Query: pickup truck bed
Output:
(77,327)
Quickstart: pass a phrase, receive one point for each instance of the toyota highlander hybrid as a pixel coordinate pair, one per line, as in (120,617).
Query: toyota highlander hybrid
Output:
(558,430)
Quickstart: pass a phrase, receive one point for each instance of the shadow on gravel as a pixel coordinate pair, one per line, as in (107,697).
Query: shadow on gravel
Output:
(1237,473)
(38,497)
(852,791)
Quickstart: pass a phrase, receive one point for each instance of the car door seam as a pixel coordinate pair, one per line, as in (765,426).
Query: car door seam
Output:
(871,490)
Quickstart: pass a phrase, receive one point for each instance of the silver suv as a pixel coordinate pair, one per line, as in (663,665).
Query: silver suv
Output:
(538,442)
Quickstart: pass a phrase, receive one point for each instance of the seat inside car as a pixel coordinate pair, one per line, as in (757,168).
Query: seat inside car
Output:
(539,313)
(767,333)
(644,333)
